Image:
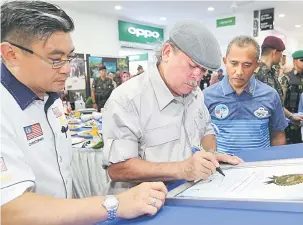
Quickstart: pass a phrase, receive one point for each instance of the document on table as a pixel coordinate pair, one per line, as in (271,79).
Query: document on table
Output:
(280,181)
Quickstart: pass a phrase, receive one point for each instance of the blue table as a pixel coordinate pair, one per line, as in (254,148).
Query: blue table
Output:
(230,212)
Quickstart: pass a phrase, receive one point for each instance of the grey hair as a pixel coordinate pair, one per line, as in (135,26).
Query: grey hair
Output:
(159,48)
(25,22)
(242,41)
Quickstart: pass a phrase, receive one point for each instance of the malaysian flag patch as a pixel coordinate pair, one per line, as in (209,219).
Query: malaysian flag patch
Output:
(33,131)
(57,112)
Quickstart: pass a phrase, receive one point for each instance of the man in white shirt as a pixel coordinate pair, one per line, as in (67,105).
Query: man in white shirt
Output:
(36,184)
(154,123)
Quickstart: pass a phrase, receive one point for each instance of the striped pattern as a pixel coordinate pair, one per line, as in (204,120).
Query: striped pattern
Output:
(234,136)
(33,131)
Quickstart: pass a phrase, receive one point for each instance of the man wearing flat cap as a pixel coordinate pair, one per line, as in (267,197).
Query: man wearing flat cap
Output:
(293,81)
(154,124)
(271,55)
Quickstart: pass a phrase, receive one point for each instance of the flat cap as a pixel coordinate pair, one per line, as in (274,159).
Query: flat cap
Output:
(298,54)
(273,42)
(196,41)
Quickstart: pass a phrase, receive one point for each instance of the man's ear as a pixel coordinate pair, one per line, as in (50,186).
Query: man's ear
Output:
(166,52)
(8,54)
(224,60)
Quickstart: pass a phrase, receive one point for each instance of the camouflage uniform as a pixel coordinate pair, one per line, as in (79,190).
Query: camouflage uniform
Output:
(270,77)
(102,89)
(293,83)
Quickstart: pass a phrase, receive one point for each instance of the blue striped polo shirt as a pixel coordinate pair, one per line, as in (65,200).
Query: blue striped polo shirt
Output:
(244,121)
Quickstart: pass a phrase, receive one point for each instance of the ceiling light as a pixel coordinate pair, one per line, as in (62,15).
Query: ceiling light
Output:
(118,7)
(210,8)
(281,15)
(163,18)
(297,26)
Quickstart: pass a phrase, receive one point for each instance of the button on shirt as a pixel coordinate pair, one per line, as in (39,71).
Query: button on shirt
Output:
(142,119)
(244,121)
(36,154)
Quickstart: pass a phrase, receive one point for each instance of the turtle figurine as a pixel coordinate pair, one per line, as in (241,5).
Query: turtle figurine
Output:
(286,180)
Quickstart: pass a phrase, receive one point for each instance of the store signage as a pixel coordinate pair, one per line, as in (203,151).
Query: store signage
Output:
(137,33)
(230,21)
(139,57)
(267,19)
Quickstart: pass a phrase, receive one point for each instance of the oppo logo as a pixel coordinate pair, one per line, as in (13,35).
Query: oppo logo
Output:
(141,32)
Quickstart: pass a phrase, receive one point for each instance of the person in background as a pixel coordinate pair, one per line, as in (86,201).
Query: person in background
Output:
(293,83)
(101,89)
(220,74)
(271,55)
(117,77)
(36,153)
(154,125)
(111,76)
(140,70)
(214,77)
(205,81)
(245,112)
(125,76)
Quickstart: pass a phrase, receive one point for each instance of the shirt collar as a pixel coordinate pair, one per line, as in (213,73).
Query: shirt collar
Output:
(21,93)
(163,94)
(227,88)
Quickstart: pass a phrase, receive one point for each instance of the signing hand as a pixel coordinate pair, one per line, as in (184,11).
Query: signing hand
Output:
(199,166)
(146,198)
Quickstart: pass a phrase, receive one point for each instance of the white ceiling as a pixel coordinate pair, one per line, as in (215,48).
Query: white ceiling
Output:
(151,11)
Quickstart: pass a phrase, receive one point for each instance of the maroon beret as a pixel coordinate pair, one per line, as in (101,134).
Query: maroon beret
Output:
(273,42)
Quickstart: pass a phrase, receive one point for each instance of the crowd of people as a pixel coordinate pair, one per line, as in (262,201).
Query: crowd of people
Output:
(157,128)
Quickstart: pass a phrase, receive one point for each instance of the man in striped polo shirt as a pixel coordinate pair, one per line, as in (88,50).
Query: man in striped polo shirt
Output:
(245,113)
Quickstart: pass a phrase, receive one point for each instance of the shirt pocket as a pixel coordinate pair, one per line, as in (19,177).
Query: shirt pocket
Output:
(200,125)
(162,135)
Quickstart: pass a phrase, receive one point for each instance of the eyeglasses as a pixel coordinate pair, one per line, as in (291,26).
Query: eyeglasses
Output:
(56,64)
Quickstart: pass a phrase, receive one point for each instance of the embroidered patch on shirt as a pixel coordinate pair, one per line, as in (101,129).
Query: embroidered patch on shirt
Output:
(261,112)
(33,131)
(2,165)
(57,112)
(221,111)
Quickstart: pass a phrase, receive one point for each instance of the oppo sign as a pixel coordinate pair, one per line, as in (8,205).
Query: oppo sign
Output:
(145,33)
(139,33)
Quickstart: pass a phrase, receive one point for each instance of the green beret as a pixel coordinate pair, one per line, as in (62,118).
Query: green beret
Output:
(298,54)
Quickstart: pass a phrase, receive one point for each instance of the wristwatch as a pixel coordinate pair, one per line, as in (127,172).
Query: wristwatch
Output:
(111,204)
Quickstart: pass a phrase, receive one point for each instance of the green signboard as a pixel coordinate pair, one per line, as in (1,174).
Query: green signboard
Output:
(230,21)
(137,33)
(138,57)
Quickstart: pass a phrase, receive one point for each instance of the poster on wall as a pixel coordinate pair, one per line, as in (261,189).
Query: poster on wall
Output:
(110,63)
(123,64)
(267,19)
(94,62)
(76,78)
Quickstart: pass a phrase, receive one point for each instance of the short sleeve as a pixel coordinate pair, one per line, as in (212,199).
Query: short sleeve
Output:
(121,132)
(16,176)
(277,120)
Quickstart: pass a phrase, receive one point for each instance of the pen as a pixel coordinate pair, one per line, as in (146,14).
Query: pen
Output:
(218,169)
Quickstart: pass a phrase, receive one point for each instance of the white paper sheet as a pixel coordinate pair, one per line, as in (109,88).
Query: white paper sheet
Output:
(252,183)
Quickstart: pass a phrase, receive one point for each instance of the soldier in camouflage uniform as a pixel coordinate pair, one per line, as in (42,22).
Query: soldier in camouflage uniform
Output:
(293,83)
(272,49)
(101,89)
